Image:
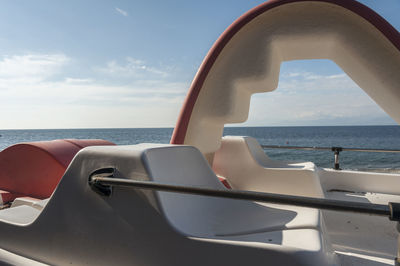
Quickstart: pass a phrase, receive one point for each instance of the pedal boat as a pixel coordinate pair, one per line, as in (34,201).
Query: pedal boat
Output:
(205,199)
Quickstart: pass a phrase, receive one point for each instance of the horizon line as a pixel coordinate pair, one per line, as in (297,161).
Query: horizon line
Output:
(228,126)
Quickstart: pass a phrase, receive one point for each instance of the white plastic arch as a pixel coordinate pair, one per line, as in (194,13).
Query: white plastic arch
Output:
(364,45)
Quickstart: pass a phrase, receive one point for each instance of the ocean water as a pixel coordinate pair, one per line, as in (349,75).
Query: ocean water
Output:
(376,137)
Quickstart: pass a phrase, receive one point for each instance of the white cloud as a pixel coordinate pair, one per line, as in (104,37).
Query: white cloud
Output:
(67,91)
(121,11)
(32,98)
(305,98)
(337,76)
(307,82)
(31,65)
(133,68)
(310,76)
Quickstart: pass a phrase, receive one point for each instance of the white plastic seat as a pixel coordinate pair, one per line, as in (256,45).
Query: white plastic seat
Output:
(242,161)
(288,227)
(23,210)
(21,215)
(209,216)
(28,201)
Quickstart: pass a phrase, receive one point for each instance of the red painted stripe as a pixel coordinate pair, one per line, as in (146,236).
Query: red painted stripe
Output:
(179,134)
(224,182)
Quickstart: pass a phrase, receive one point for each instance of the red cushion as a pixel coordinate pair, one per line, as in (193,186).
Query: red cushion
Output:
(34,169)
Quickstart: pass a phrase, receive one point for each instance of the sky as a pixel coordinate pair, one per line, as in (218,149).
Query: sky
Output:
(127,64)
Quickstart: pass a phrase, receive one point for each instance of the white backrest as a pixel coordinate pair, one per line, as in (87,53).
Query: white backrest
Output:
(242,161)
(202,215)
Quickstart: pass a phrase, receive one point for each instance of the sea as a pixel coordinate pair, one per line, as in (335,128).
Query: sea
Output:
(369,137)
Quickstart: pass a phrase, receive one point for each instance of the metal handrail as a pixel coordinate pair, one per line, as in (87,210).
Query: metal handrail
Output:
(335,150)
(103,185)
(311,148)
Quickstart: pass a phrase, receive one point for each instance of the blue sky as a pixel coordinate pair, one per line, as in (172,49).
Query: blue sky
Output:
(84,64)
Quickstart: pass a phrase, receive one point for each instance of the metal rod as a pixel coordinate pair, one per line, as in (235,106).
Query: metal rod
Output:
(320,203)
(313,148)
(336,165)
(336,151)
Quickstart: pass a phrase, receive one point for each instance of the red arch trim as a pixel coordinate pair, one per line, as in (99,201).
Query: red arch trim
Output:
(178,136)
